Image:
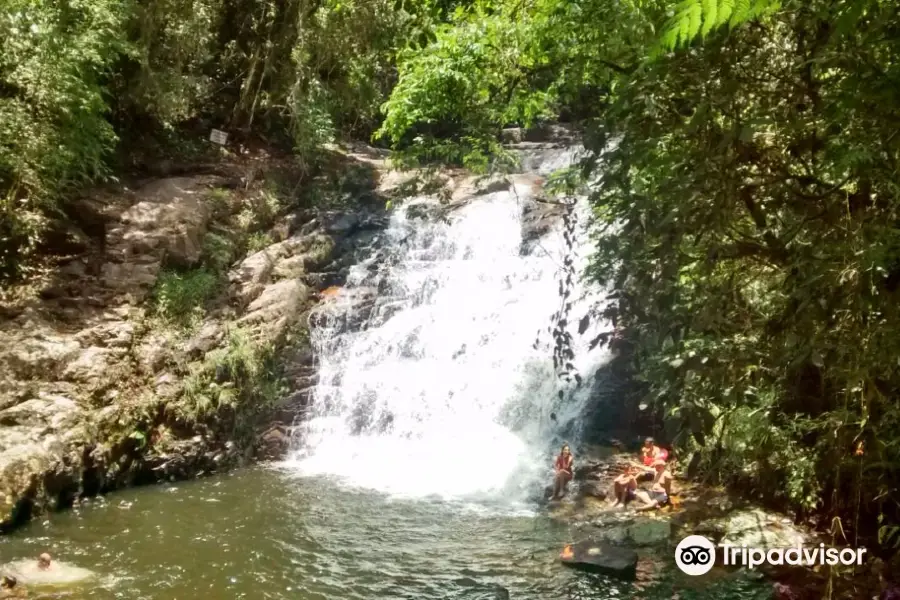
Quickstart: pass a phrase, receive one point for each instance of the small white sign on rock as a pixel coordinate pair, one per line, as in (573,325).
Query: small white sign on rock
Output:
(218,136)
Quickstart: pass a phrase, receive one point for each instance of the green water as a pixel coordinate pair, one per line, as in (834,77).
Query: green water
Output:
(261,533)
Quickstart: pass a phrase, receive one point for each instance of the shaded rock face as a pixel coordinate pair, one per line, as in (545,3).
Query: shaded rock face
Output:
(87,378)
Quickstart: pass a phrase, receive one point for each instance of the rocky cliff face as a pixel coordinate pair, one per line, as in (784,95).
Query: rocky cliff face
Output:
(99,390)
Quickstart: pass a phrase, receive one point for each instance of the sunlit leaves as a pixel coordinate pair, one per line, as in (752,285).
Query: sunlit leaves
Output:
(693,18)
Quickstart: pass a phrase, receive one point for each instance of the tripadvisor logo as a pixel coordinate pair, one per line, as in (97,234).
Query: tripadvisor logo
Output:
(696,555)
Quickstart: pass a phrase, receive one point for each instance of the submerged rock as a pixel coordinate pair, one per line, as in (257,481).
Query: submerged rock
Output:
(601,557)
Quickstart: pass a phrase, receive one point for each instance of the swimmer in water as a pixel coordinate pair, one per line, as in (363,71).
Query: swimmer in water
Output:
(44,561)
(9,589)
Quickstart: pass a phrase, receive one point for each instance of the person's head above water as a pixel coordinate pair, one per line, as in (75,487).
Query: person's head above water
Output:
(9,582)
(565,449)
(649,442)
(44,561)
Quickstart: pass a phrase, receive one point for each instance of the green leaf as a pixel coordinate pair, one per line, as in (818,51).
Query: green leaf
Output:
(740,14)
(710,10)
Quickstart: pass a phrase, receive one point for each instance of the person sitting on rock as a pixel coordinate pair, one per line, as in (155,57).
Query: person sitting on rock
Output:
(563,470)
(660,490)
(625,486)
(650,453)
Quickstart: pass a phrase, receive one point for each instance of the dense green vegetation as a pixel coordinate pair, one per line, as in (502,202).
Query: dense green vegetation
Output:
(747,213)
(84,83)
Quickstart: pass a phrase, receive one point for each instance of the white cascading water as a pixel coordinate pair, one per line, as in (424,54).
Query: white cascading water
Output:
(441,392)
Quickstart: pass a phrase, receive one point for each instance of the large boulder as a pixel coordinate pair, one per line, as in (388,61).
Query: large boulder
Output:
(171,218)
(276,309)
(37,464)
(754,527)
(43,355)
(274,443)
(165,225)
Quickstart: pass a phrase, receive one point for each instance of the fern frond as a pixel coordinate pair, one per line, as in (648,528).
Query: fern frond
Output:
(726,7)
(700,17)
(695,19)
(711,13)
(741,13)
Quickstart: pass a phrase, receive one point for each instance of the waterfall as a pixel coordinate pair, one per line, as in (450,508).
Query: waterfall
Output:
(429,379)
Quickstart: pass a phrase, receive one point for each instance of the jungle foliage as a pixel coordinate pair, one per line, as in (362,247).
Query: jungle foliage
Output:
(746,216)
(82,80)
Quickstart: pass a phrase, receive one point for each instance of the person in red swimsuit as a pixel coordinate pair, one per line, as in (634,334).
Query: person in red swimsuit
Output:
(563,469)
(651,453)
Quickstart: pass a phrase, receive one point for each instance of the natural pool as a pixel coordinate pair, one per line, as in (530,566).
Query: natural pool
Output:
(264,533)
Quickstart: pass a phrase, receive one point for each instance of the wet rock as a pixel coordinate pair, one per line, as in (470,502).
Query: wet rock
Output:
(539,219)
(491,185)
(601,557)
(594,489)
(339,222)
(273,444)
(424,211)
